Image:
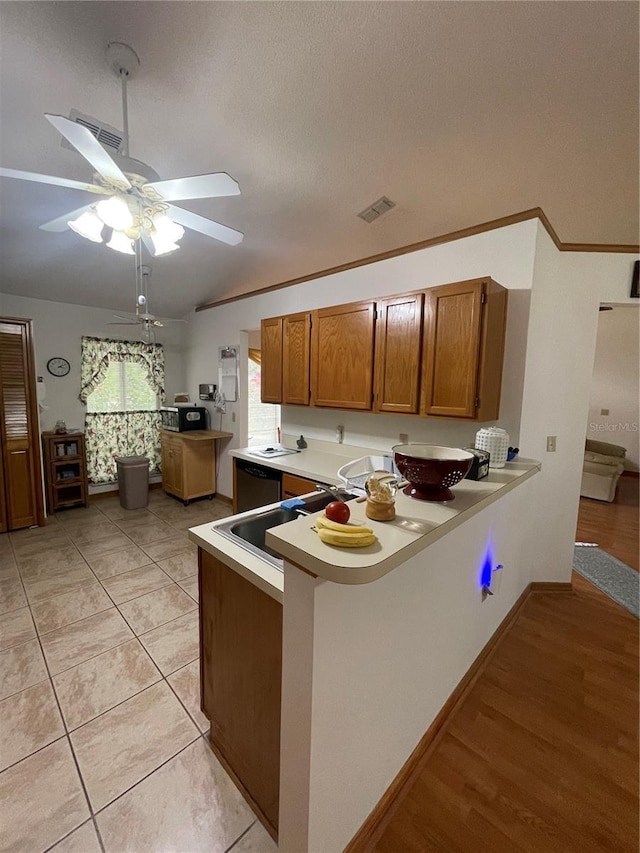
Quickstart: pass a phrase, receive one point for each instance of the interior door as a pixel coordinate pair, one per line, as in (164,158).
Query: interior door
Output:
(19,426)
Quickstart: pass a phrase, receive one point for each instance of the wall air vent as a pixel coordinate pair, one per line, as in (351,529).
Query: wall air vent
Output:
(106,135)
(376,209)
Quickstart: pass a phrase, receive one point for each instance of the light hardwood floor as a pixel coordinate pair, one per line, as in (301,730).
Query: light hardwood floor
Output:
(614,526)
(542,756)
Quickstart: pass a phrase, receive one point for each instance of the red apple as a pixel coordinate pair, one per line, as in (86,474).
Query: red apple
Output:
(337,511)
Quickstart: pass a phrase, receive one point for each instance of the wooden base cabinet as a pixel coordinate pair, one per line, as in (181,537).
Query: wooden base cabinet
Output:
(241,680)
(189,462)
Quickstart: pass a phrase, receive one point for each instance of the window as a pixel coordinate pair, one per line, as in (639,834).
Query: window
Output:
(264,418)
(122,384)
(124,388)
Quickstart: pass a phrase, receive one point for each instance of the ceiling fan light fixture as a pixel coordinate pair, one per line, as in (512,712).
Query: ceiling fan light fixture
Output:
(121,243)
(88,225)
(167,228)
(115,213)
(162,245)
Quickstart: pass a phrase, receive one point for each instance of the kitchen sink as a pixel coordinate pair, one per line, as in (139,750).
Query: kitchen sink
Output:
(250,532)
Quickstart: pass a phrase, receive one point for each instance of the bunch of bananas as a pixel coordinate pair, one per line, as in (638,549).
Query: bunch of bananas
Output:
(343,535)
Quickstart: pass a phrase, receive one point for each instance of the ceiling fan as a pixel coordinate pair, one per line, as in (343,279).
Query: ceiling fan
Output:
(136,204)
(142,317)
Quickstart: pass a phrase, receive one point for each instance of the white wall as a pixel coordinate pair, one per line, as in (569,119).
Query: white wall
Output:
(567,290)
(615,383)
(367,667)
(58,328)
(506,254)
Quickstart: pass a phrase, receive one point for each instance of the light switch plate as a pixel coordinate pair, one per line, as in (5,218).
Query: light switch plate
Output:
(551,443)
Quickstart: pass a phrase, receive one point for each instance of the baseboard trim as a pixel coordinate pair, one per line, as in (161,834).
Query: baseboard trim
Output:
(113,493)
(550,586)
(224,498)
(373,827)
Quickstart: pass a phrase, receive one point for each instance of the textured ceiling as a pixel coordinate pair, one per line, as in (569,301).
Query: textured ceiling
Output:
(460,112)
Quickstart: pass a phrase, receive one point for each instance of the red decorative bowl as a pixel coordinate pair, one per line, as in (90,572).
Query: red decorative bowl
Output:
(431,469)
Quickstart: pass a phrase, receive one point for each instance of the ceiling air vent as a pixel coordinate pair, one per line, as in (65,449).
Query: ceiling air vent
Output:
(108,136)
(377,209)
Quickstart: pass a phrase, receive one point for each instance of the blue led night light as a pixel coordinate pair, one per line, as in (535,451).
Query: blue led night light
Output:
(486,570)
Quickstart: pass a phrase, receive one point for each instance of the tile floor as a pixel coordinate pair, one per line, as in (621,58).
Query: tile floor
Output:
(102,742)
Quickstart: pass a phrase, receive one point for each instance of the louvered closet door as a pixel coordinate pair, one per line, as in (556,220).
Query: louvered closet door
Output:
(18,431)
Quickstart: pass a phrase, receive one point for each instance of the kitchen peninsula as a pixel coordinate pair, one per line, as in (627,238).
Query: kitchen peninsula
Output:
(356,651)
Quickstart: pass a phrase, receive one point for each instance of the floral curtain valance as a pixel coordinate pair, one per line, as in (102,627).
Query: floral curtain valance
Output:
(98,353)
(111,434)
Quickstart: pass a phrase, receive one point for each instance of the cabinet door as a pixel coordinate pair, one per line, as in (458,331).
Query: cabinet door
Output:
(172,465)
(452,326)
(199,469)
(398,347)
(18,426)
(271,360)
(342,356)
(241,681)
(296,333)
(293,486)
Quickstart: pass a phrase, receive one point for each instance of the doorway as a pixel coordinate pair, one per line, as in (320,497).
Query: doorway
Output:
(263,419)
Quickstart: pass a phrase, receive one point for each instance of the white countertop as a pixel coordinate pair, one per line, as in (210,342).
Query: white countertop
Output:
(417,525)
(315,462)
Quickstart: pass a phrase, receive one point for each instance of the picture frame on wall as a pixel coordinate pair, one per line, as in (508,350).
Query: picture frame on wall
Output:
(635,283)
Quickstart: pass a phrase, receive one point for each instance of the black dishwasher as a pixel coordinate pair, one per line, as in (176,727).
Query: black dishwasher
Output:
(256,485)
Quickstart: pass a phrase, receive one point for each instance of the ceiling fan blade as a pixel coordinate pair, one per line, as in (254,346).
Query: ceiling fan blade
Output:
(50,179)
(128,319)
(86,143)
(148,242)
(122,324)
(198,186)
(60,224)
(205,226)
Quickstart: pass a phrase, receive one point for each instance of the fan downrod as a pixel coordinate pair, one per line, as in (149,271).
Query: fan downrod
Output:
(122,59)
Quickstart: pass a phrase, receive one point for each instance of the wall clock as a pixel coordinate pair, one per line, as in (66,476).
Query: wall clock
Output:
(58,366)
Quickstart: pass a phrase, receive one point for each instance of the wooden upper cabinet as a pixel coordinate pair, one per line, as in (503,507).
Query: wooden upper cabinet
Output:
(271,360)
(342,341)
(296,338)
(397,357)
(463,349)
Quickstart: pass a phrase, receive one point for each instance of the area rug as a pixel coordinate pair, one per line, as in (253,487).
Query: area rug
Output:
(613,577)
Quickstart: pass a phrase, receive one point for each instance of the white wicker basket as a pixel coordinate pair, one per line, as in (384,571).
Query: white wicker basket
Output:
(496,442)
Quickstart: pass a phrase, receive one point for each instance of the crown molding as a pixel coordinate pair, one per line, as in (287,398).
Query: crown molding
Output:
(451,236)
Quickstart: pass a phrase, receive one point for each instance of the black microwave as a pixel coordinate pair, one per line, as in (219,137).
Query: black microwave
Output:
(182,418)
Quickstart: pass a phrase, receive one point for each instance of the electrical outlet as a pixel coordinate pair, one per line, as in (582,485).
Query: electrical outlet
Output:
(404,438)
(551,443)
(496,578)
(339,433)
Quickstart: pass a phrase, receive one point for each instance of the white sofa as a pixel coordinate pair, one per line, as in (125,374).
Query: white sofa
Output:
(601,470)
